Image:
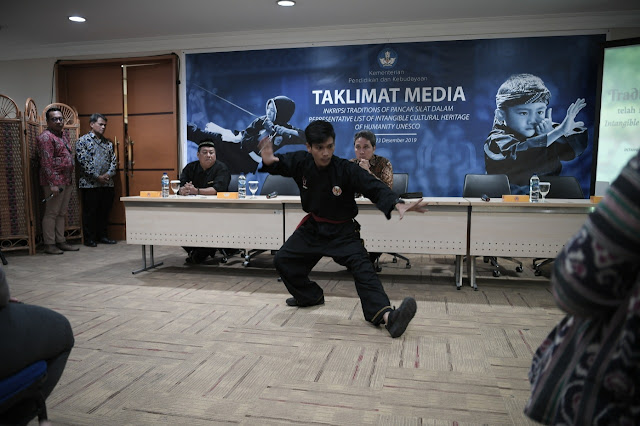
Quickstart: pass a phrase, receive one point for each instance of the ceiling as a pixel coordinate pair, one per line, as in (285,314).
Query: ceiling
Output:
(44,24)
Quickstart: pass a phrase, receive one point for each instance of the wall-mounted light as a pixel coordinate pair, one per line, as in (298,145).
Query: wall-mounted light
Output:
(76,18)
(286,3)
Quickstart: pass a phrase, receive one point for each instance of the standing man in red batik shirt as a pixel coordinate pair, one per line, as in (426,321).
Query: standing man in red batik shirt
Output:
(56,167)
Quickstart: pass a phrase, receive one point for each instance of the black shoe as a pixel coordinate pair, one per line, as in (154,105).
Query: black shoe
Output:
(105,240)
(90,243)
(52,249)
(230,252)
(67,247)
(400,318)
(293,302)
(197,256)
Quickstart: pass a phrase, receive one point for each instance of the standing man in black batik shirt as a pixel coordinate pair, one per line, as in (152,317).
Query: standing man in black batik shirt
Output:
(327,187)
(97,161)
(205,176)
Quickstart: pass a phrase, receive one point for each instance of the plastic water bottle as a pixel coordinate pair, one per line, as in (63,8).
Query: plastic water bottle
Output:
(242,186)
(165,185)
(534,188)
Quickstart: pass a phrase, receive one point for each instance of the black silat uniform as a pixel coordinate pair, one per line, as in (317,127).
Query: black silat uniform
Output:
(331,229)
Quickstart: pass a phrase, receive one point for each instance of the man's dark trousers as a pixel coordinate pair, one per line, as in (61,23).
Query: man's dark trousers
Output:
(96,205)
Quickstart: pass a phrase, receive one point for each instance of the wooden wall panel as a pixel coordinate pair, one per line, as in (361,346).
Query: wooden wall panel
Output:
(151,101)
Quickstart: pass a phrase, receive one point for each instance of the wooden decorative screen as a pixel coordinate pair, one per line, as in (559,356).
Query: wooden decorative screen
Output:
(33,128)
(15,218)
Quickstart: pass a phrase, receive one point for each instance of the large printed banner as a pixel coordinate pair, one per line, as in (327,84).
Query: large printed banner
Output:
(439,110)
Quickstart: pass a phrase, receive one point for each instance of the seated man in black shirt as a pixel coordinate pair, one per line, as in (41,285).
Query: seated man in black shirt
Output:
(206,176)
(327,186)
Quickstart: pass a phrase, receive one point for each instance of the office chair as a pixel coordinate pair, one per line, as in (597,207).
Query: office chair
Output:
(23,386)
(495,186)
(476,185)
(561,187)
(399,186)
(233,183)
(400,183)
(283,186)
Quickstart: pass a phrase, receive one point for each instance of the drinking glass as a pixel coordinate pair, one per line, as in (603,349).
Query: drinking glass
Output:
(253,187)
(175,187)
(544,189)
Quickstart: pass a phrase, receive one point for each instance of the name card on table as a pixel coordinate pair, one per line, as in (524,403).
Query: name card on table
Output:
(595,198)
(516,198)
(151,193)
(228,195)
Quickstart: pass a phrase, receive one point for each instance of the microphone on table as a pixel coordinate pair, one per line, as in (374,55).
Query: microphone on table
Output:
(44,200)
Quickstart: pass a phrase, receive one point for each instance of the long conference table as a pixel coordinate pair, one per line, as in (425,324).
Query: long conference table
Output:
(452,226)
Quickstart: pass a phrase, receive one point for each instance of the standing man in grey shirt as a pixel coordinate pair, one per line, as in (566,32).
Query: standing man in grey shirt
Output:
(97,162)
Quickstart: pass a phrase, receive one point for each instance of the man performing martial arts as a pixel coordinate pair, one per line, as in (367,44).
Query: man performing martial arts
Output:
(327,186)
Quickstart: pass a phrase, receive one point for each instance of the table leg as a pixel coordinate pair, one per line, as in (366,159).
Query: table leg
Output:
(458,273)
(144,260)
(471,267)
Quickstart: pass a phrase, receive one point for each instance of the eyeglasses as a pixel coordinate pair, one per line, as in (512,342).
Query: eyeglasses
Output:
(57,119)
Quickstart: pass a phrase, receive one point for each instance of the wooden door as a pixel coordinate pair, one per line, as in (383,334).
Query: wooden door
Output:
(151,126)
(139,98)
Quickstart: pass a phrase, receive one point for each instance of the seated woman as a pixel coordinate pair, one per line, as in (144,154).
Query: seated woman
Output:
(364,145)
(28,334)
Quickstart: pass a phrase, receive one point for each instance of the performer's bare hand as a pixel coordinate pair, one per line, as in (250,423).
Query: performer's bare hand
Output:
(365,164)
(416,206)
(265,148)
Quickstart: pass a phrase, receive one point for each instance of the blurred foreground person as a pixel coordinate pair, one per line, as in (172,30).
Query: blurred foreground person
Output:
(29,334)
(587,371)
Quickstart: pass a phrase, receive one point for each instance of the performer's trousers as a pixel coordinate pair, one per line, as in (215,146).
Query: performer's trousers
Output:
(55,213)
(313,240)
(96,205)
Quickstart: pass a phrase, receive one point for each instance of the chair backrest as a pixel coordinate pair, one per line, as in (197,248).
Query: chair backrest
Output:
(233,183)
(280,184)
(563,187)
(400,183)
(476,185)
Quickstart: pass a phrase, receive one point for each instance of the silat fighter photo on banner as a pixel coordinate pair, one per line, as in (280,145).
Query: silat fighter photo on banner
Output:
(439,110)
